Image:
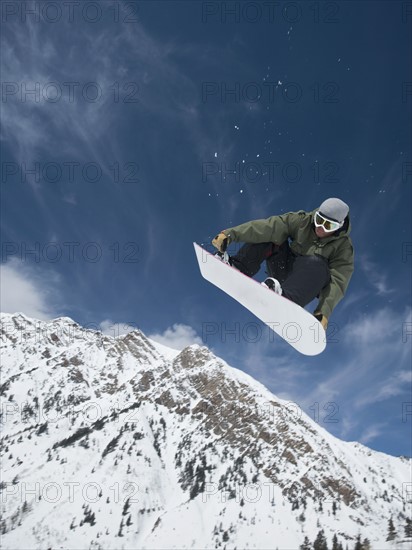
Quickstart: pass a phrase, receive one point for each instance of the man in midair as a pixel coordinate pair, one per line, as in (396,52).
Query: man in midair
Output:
(308,254)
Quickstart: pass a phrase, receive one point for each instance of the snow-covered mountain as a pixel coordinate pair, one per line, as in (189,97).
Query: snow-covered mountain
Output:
(118,443)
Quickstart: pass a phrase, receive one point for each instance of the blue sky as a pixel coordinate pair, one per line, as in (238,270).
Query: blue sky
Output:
(132,129)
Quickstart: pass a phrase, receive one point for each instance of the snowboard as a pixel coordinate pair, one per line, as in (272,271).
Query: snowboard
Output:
(288,320)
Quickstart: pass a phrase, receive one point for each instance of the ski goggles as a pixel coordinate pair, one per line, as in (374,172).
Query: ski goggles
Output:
(328,225)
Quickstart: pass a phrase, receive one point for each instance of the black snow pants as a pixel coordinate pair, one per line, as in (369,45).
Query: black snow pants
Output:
(301,277)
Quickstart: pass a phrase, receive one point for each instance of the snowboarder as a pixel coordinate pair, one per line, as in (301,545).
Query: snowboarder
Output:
(308,254)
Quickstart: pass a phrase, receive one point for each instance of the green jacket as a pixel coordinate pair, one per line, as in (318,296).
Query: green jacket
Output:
(299,228)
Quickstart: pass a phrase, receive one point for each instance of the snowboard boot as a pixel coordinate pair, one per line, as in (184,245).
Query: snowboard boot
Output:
(273,284)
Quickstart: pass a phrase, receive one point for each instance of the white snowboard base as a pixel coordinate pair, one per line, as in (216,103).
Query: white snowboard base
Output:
(291,322)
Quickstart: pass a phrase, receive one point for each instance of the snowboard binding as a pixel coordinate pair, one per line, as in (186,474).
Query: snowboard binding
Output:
(273,284)
(224,257)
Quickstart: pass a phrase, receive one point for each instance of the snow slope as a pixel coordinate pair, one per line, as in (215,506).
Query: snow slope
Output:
(122,443)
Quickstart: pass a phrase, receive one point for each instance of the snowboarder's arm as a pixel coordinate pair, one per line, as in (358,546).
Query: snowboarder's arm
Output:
(341,269)
(275,229)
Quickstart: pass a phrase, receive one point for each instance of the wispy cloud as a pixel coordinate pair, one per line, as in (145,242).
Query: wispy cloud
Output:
(80,131)
(372,432)
(372,367)
(32,124)
(376,329)
(380,205)
(390,387)
(372,343)
(375,275)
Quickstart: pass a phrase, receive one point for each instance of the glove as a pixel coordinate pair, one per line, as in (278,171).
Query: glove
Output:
(322,319)
(220,242)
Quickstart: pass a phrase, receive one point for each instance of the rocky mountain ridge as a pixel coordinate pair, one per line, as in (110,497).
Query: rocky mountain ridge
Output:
(120,443)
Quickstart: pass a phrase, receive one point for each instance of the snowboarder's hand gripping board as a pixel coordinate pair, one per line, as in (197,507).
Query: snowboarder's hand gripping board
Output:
(291,322)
